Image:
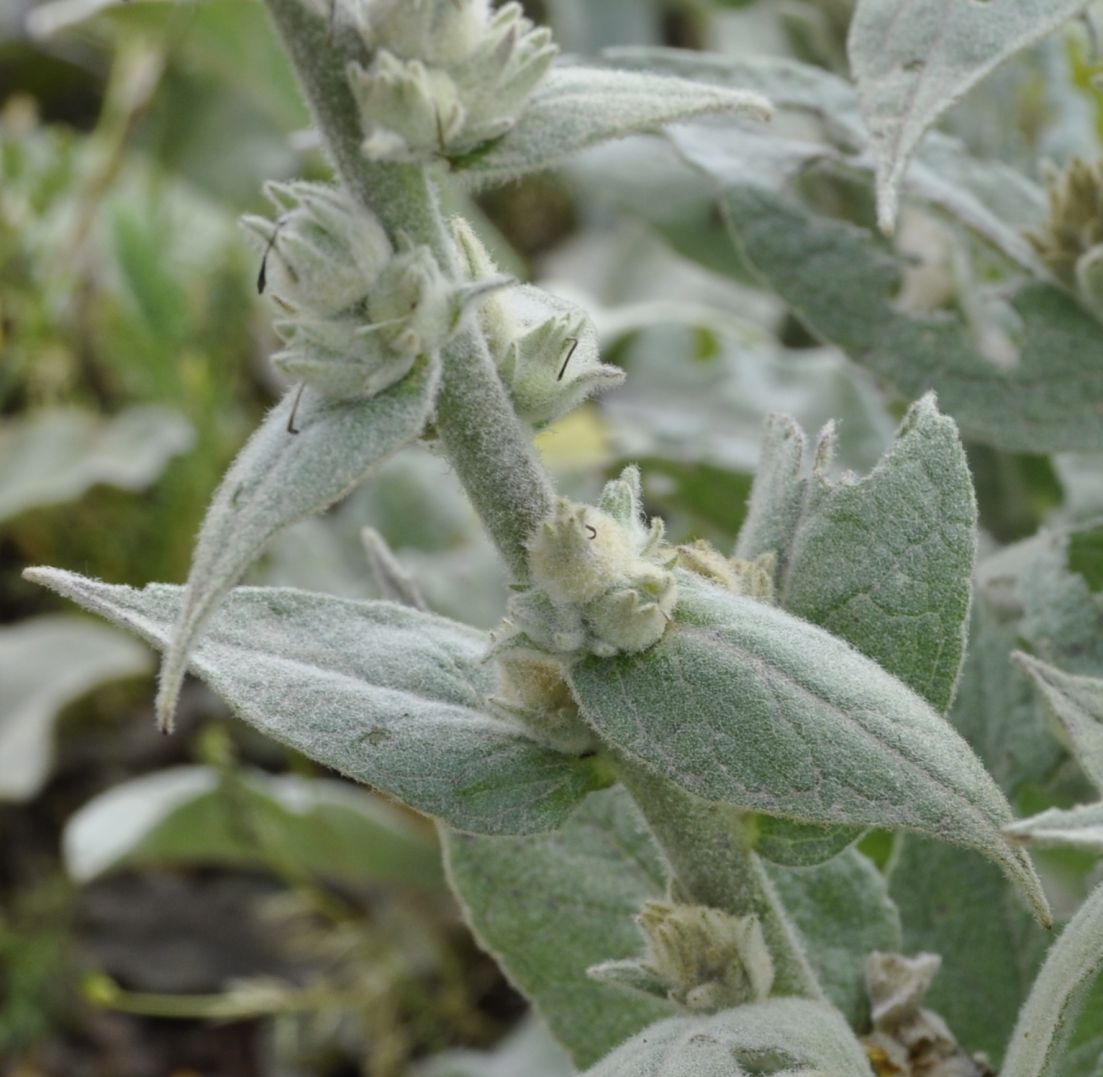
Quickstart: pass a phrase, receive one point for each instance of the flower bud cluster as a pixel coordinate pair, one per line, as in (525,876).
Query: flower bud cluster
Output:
(548,362)
(703,959)
(1070,240)
(533,690)
(446,77)
(753,579)
(601,581)
(358,311)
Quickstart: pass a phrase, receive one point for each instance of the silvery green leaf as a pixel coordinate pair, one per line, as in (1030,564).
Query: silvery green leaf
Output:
(744,704)
(194,815)
(1076,705)
(783,841)
(388,696)
(56,455)
(886,562)
(956,905)
(842,911)
(787,1036)
(913,61)
(1048,1018)
(529,1050)
(578,106)
(280,477)
(995,710)
(842,283)
(1080,827)
(46,663)
(550,907)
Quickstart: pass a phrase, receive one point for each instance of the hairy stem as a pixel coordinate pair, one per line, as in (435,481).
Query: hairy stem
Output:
(485,441)
(713,864)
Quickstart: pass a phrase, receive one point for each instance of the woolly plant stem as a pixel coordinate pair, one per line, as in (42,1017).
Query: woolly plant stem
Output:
(484,440)
(713,864)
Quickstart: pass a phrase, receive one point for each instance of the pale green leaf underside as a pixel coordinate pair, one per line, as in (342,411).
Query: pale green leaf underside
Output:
(1048,1018)
(55,456)
(280,477)
(386,695)
(842,912)
(787,1035)
(189,815)
(742,703)
(912,59)
(46,663)
(550,907)
(1074,828)
(578,106)
(1076,706)
(842,283)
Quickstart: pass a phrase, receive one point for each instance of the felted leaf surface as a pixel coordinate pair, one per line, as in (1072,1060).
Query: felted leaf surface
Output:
(783,1035)
(913,60)
(578,106)
(885,562)
(192,815)
(549,907)
(1076,705)
(1075,828)
(842,283)
(280,477)
(1046,1023)
(956,905)
(46,663)
(744,704)
(56,455)
(843,912)
(386,695)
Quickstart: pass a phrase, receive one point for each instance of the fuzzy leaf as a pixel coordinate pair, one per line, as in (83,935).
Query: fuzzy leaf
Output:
(579,106)
(386,695)
(1076,705)
(842,283)
(886,562)
(1075,828)
(46,663)
(843,912)
(744,704)
(191,815)
(958,906)
(56,455)
(912,61)
(280,477)
(793,844)
(1048,1018)
(785,1035)
(528,1051)
(548,908)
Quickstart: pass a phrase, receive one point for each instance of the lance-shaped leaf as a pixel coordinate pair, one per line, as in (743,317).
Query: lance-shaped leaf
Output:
(1048,1019)
(1076,705)
(885,562)
(386,695)
(744,704)
(579,106)
(1073,828)
(784,1035)
(280,477)
(912,61)
(550,907)
(842,283)
(195,815)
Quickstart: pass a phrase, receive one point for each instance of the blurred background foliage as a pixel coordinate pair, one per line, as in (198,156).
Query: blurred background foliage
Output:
(209,904)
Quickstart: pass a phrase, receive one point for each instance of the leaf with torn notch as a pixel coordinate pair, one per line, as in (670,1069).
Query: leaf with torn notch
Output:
(386,695)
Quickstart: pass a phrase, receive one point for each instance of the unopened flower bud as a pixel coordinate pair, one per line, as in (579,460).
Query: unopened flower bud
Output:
(634,616)
(413,304)
(578,554)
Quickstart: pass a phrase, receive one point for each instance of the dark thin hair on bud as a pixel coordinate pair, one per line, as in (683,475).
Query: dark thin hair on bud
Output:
(291,427)
(567,359)
(592,530)
(262,274)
